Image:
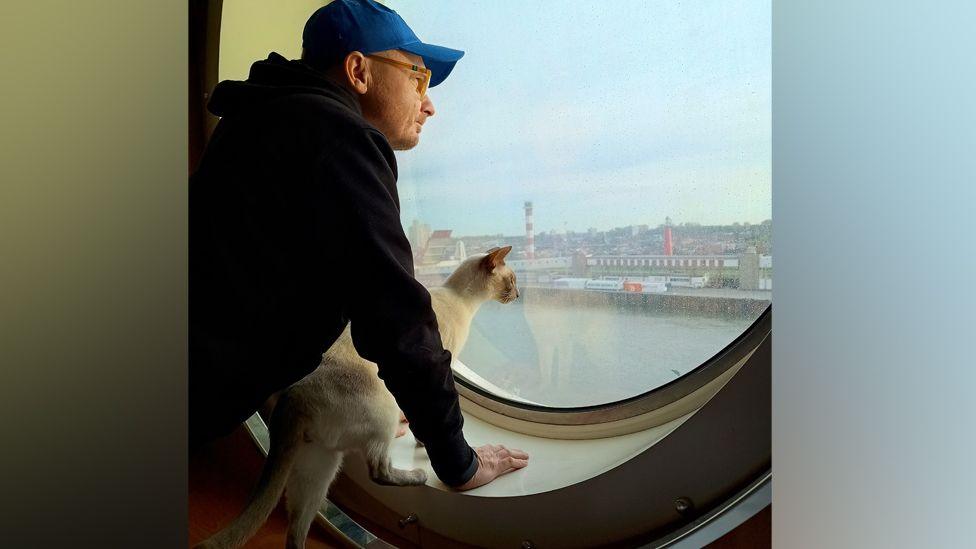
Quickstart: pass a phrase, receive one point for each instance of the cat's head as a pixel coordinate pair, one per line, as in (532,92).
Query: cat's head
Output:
(486,276)
(500,278)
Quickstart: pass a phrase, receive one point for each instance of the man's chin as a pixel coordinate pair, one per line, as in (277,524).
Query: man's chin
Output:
(407,143)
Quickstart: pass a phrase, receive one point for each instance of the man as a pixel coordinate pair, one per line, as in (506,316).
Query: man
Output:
(295,231)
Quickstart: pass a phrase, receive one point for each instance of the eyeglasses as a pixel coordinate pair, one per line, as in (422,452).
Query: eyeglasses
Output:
(423,73)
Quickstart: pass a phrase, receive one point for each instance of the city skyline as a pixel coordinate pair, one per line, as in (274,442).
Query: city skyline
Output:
(651,226)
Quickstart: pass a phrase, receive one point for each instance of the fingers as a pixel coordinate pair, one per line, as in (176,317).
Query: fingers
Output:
(493,462)
(497,460)
(515,463)
(513,452)
(510,464)
(501,451)
(505,460)
(516,453)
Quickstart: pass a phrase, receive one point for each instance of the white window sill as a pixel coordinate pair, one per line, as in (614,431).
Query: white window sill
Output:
(553,464)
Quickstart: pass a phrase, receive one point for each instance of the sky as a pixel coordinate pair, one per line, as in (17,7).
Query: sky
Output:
(603,114)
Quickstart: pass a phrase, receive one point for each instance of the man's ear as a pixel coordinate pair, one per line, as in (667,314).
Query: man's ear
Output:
(356,72)
(495,258)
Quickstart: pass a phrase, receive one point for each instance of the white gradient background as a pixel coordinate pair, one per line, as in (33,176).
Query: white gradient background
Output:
(874,166)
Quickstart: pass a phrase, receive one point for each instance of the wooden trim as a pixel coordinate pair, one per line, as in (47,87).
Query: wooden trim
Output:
(204,50)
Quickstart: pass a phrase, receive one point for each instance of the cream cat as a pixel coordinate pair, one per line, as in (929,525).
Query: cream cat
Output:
(344,406)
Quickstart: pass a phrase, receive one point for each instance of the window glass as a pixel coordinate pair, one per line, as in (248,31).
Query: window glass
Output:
(623,149)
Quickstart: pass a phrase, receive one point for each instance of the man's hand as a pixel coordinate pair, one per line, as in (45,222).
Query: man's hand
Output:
(493,462)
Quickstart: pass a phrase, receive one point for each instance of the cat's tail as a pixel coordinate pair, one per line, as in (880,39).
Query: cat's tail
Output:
(286,441)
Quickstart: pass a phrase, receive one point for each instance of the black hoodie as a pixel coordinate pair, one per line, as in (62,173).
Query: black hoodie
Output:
(295,231)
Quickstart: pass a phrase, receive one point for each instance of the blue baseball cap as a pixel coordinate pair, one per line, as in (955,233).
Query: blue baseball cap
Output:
(365,26)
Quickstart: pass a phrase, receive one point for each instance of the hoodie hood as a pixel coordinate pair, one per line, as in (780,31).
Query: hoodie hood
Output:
(272,78)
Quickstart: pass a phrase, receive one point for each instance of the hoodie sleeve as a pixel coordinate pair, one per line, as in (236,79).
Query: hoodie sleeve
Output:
(392,321)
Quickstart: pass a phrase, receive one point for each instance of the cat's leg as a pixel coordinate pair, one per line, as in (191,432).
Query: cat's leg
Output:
(377,453)
(307,487)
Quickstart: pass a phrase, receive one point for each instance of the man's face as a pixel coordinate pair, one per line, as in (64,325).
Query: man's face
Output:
(392,102)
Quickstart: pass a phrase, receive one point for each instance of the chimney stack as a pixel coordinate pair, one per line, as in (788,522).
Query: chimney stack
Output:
(667,236)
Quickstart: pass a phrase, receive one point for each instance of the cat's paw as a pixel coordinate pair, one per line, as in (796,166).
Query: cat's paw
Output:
(418,477)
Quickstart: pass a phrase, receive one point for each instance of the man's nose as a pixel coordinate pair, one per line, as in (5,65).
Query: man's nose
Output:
(427,106)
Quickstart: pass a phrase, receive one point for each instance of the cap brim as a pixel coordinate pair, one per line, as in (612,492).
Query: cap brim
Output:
(438,59)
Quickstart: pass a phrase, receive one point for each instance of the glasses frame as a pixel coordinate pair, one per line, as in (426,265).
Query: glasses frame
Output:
(424,82)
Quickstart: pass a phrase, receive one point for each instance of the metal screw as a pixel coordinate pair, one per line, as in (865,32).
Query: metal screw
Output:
(409,519)
(683,505)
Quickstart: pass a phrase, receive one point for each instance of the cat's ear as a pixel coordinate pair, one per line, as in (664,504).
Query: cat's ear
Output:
(495,258)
